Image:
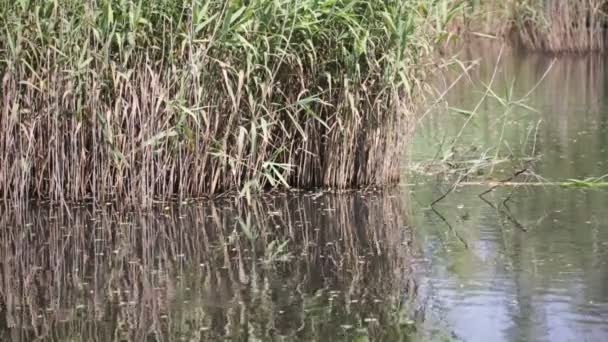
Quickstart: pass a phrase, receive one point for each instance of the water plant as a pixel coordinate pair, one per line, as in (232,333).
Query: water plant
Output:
(589,182)
(143,100)
(562,26)
(540,25)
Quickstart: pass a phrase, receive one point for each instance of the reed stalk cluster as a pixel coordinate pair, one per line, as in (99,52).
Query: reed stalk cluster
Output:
(136,100)
(562,26)
(553,26)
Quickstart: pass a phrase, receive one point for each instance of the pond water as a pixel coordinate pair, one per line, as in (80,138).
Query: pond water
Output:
(307,266)
(521,263)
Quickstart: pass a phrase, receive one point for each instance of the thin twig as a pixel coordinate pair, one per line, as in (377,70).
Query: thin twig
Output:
(504,181)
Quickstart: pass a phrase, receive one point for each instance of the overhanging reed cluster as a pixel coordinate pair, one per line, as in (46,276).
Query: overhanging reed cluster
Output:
(174,99)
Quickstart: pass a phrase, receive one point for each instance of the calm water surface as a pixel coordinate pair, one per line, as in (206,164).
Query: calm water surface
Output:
(527,264)
(298,266)
(533,268)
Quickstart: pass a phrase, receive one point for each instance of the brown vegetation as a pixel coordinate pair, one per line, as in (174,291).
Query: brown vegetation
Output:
(552,26)
(563,26)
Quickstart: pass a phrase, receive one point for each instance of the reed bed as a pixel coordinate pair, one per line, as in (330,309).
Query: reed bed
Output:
(553,26)
(563,26)
(297,267)
(142,100)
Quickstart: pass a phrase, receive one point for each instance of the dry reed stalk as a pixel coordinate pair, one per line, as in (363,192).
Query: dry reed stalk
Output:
(553,26)
(563,26)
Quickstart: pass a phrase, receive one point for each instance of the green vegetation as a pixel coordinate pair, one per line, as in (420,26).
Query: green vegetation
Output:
(589,182)
(178,99)
(143,100)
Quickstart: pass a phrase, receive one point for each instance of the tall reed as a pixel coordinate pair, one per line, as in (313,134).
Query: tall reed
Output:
(553,26)
(562,26)
(162,99)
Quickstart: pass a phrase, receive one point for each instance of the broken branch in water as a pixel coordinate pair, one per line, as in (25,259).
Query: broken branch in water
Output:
(503,181)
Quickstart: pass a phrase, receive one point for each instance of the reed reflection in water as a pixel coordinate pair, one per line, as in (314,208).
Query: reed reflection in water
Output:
(299,266)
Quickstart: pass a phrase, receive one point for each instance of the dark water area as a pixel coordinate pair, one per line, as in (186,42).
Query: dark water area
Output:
(523,263)
(304,266)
